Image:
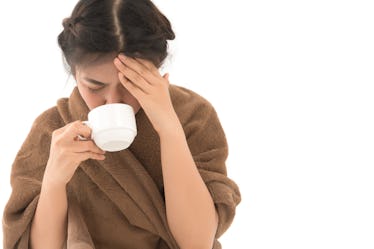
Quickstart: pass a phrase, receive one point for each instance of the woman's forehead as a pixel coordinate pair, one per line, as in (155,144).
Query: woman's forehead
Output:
(97,60)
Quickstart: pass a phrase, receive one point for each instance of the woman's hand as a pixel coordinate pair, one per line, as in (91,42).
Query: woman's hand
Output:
(143,80)
(67,152)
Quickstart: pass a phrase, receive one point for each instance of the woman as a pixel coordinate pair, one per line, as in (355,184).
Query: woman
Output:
(169,189)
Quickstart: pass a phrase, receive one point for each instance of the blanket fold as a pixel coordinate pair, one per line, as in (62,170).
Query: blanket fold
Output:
(119,202)
(78,236)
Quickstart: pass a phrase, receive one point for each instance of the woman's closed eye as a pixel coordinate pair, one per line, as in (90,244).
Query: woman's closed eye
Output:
(94,85)
(94,89)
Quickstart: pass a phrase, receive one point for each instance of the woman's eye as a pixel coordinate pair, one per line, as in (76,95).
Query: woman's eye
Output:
(94,89)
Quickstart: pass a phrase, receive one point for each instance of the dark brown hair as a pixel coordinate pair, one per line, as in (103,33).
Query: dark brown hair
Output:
(98,27)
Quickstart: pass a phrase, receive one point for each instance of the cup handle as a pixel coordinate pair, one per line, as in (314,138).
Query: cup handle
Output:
(83,138)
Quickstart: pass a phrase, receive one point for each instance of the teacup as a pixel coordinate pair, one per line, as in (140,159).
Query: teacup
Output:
(113,126)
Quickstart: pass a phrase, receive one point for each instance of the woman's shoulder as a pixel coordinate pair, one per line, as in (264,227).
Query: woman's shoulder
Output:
(48,120)
(191,107)
(186,98)
(40,133)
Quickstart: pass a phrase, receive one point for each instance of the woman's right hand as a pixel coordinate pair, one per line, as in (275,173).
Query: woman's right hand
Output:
(67,152)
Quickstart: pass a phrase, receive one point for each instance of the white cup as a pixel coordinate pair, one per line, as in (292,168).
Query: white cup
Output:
(113,126)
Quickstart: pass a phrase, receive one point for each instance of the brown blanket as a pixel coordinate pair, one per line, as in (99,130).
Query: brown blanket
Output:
(119,202)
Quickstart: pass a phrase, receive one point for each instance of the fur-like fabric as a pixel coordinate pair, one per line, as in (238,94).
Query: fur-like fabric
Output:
(119,202)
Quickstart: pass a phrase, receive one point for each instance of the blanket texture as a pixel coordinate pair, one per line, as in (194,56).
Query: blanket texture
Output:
(119,202)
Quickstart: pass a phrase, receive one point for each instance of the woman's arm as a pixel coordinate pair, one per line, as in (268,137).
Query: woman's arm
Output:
(189,207)
(190,210)
(48,229)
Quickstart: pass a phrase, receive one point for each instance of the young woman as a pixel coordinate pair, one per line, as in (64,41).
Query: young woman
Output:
(169,189)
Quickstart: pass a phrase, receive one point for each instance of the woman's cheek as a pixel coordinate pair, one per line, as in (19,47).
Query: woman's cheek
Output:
(92,100)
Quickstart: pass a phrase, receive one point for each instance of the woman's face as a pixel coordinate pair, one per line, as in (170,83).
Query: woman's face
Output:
(98,84)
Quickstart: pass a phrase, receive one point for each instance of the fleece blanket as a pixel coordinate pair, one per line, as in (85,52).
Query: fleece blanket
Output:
(119,202)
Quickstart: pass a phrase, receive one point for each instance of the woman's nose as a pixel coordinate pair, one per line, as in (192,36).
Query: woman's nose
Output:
(115,95)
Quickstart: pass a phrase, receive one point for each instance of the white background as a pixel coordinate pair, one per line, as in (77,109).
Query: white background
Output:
(292,82)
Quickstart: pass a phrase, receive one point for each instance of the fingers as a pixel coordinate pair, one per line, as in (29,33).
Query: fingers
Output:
(130,76)
(83,156)
(137,72)
(132,88)
(149,65)
(78,128)
(66,153)
(141,66)
(66,137)
(86,146)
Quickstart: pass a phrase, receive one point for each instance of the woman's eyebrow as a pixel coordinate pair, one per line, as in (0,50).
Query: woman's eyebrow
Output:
(95,81)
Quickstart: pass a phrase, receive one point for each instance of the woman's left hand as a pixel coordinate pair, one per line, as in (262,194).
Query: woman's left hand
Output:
(143,80)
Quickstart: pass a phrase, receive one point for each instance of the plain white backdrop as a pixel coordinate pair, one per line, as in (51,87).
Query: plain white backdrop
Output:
(292,82)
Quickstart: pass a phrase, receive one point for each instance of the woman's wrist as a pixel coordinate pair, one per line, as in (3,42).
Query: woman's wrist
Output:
(172,127)
(52,182)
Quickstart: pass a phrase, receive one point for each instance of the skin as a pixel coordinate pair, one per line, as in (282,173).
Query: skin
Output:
(110,90)
(190,211)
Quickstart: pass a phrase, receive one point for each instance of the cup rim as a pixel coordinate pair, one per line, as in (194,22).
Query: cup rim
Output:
(112,104)
(98,110)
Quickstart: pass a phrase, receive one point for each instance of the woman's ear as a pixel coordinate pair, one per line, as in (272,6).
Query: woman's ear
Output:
(166,76)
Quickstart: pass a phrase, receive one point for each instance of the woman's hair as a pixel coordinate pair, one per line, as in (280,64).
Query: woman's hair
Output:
(98,27)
